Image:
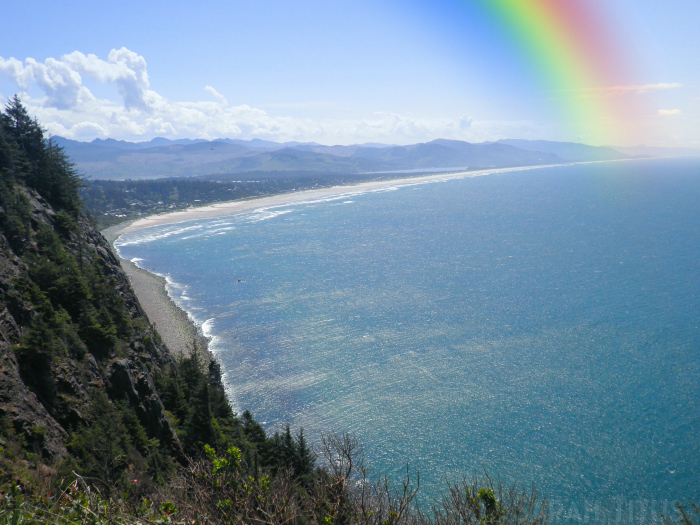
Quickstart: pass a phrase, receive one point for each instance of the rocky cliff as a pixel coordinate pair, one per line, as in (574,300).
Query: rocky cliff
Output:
(45,384)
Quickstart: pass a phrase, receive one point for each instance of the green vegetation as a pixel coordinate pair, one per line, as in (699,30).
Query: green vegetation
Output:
(108,408)
(26,156)
(110,202)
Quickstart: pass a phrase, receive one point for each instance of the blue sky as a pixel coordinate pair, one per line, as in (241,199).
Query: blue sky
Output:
(331,72)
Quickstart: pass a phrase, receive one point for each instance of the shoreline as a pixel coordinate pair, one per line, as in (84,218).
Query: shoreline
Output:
(174,325)
(222,209)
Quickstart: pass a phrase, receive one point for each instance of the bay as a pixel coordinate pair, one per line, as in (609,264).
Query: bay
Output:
(543,325)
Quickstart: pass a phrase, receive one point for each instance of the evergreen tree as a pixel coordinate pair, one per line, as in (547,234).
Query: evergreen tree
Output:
(289,448)
(38,163)
(305,458)
(252,429)
(198,428)
(103,448)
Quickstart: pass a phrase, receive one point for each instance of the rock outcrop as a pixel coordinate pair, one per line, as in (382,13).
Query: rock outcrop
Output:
(43,393)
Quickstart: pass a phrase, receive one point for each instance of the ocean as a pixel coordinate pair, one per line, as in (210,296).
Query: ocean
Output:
(543,325)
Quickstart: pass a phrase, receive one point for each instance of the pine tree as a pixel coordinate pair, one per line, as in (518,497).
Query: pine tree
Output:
(289,448)
(38,163)
(252,429)
(305,458)
(198,427)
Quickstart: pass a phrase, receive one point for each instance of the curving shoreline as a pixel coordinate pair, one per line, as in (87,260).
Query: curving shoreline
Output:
(173,323)
(223,209)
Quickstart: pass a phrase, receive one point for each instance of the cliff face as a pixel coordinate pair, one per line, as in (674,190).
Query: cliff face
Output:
(70,324)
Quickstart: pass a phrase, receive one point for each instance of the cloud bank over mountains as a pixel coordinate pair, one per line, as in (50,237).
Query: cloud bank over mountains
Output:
(69,109)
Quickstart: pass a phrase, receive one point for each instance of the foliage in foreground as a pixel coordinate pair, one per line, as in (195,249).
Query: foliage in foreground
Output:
(220,489)
(684,515)
(214,490)
(77,504)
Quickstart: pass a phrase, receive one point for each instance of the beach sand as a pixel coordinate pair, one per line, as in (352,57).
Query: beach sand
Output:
(173,324)
(223,209)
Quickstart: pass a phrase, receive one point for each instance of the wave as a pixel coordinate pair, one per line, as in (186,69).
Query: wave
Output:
(264,214)
(156,233)
(210,233)
(204,227)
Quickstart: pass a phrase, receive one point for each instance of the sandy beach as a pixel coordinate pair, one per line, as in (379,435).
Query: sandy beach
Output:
(223,209)
(173,324)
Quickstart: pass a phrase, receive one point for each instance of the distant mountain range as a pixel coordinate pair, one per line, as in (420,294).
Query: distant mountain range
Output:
(161,157)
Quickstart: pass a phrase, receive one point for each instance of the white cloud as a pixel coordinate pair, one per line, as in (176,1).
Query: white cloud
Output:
(124,68)
(69,109)
(218,96)
(16,71)
(667,112)
(60,83)
(639,89)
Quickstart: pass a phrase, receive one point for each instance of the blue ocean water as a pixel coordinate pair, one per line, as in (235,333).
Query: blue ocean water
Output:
(542,324)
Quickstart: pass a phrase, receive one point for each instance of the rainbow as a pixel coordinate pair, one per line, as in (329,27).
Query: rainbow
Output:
(576,57)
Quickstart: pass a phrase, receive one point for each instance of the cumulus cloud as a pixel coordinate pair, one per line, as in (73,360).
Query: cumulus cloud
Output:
(61,84)
(16,71)
(667,112)
(218,96)
(124,68)
(66,107)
